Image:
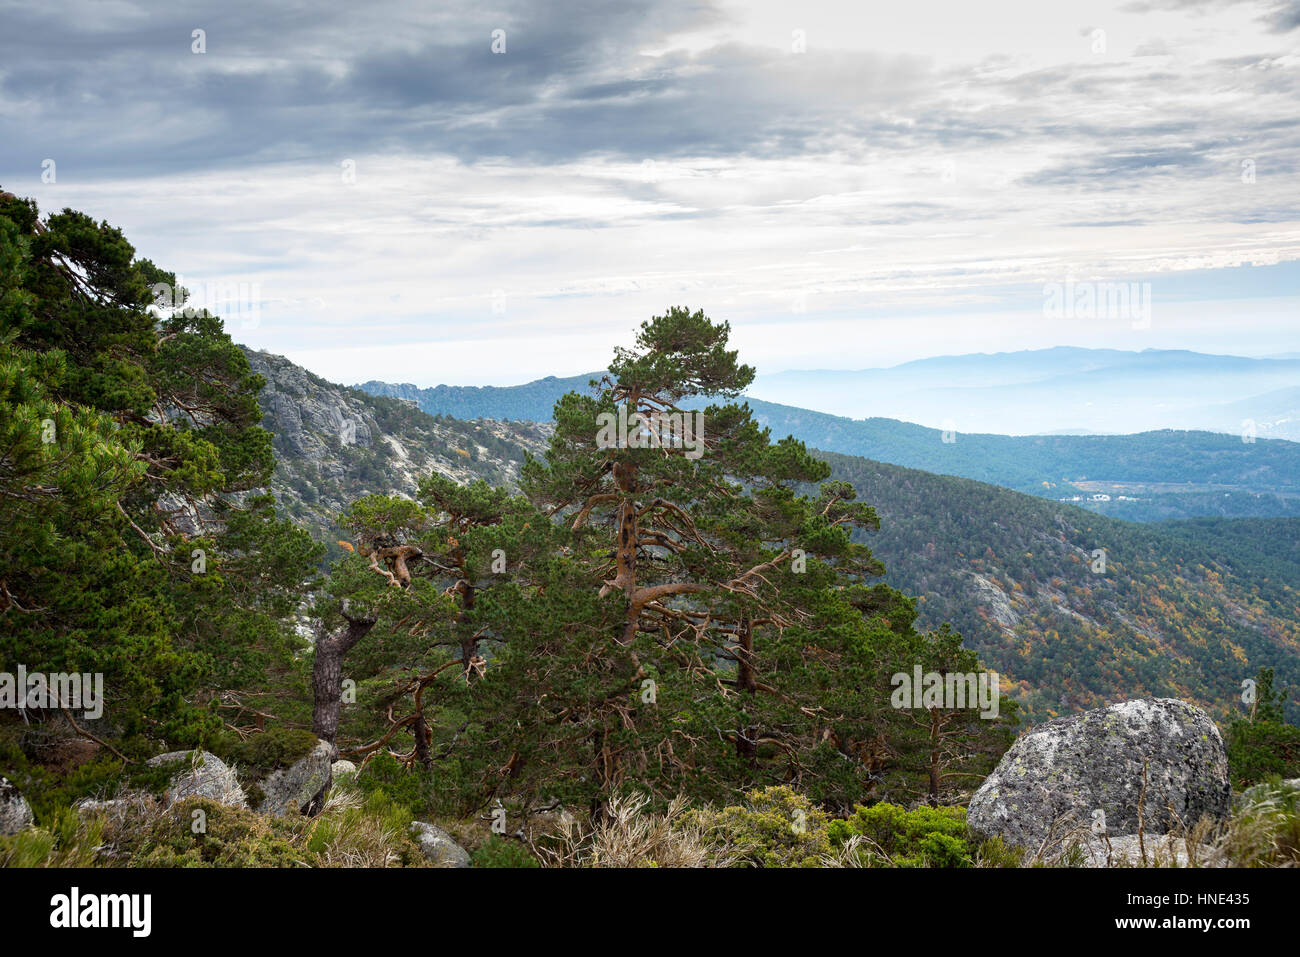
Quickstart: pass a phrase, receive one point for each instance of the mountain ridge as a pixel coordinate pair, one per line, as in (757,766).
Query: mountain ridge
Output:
(1264,481)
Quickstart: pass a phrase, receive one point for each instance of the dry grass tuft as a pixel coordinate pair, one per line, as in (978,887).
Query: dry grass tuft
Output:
(629,837)
(1265,828)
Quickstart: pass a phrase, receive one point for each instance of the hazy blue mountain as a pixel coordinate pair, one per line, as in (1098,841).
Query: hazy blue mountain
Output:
(1148,476)
(1064,390)
(1055,390)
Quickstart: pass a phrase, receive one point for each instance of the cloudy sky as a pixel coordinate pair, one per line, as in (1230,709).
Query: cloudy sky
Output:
(492,192)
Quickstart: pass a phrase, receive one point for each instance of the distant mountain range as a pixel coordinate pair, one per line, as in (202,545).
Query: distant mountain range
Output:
(1184,609)
(1144,477)
(532,401)
(1064,389)
(1148,476)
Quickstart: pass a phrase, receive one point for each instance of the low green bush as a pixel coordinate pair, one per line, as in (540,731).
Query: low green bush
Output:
(501,852)
(921,837)
(198,832)
(778,828)
(268,750)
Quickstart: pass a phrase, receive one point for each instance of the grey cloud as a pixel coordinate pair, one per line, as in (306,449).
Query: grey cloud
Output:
(1286,18)
(130,97)
(318,83)
(1106,165)
(1282,16)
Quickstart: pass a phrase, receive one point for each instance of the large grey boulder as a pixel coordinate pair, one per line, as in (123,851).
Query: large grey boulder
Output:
(15,812)
(438,846)
(203,775)
(1085,774)
(301,787)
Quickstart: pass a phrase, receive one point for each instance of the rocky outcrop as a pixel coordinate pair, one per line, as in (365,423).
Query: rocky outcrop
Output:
(301,787)
(437,845)
(204,775)
(1155,765)
(15,812)
(334,444)
(999,606)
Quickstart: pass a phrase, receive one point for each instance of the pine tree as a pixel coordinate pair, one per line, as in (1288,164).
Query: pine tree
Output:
(137,546)
(684,609)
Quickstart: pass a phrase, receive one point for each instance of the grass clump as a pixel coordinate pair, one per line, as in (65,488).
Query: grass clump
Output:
(1265,828)
(626,836)
(66,841)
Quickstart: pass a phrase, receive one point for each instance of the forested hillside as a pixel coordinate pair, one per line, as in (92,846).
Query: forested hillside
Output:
(1173,613)
(1267,545)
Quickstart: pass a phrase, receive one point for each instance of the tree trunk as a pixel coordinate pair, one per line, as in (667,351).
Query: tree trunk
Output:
(420,730)
(625,550)
(327,674)
(747,684)
(468,643)
(936,739)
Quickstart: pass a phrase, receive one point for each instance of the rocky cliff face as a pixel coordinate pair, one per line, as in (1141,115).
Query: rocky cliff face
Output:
(334,444)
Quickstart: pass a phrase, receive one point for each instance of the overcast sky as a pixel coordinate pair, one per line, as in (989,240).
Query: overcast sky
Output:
(849,184)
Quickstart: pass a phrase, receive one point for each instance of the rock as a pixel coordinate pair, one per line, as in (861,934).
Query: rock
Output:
(301,787)
(206,776)
(1065,775)
(342,769)
(118,808)
(1161,850)
(15,812)
(438,846)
